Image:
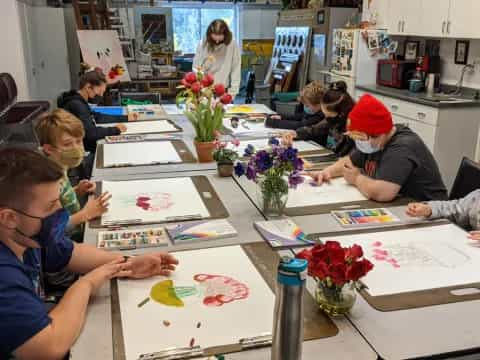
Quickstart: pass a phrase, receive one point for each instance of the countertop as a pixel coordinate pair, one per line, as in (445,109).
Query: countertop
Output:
(417,97)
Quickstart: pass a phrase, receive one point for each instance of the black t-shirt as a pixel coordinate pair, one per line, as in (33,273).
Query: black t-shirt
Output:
(405,161)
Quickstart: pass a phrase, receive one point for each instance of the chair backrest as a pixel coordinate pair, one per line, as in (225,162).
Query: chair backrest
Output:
(467,180)
(154,98)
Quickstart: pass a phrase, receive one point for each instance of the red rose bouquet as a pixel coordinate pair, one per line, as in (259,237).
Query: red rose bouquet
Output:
(336,270)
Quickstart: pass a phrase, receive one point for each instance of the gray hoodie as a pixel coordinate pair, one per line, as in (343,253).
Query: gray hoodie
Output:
(464,212)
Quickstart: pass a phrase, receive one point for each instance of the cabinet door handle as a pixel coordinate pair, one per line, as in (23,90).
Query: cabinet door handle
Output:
(443,27)
(421,115)
(394,107)
(403,26)
(448,27)
(399,27)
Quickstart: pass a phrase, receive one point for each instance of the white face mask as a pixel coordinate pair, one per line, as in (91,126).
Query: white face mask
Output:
(365,147)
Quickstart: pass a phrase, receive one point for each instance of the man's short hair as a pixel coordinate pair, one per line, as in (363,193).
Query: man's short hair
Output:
(51,126)
(20,171)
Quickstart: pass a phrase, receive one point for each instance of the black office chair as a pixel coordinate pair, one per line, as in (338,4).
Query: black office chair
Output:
(467,180)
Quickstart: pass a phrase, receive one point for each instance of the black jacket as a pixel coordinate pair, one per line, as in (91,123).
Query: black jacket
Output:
(318,128)
(74,103)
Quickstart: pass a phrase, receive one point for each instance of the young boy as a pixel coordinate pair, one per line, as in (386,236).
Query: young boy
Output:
(465,212)
(31,218)
(61,136)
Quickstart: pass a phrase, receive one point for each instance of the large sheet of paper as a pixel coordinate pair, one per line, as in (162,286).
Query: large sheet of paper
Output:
(251,128)
(248,109)
(153,200)
(172,109)
(141,153)
(417,259)
(260,144)
(101,48)
(216,297)
(146,127)
(334,192)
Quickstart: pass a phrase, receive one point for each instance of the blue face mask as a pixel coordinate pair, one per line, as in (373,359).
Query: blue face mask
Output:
(365,147)
(308,110)
(53,227)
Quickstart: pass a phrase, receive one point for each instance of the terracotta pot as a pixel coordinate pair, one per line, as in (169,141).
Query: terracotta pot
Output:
(225,169)
(205,150)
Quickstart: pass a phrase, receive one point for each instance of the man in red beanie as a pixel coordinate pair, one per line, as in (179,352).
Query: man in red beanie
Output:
(387,160)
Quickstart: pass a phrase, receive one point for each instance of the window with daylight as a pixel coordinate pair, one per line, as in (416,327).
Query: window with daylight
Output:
(190,25)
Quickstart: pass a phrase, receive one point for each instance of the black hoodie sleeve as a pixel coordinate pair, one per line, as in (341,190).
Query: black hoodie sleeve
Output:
(317,132)
(108,119)
(93,133)
(294,123)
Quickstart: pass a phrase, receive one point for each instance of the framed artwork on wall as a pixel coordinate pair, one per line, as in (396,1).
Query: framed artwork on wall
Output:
(461,52)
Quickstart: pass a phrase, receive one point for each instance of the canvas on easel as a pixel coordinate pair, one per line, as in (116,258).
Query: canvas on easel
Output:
(215,298)
(102,49)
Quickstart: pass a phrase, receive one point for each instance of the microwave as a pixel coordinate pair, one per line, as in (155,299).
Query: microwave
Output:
(395,73)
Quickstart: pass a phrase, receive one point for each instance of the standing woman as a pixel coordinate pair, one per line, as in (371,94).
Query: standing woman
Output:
(92,86)
(218,54)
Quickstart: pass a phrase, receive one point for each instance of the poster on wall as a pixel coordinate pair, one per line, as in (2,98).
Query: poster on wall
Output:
(101,48)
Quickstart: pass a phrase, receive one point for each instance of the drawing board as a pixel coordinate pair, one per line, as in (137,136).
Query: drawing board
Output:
(259,144)
(102,49)
(140,153)
(250,128)
(147,127)
(417,259)
(216,297)
(153,200)
(334,192)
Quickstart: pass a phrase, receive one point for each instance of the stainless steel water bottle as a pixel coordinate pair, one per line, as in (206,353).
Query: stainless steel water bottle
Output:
(288,316)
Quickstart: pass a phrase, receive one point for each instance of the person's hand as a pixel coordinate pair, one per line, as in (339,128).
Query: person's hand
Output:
(275,117)
(147,265)
(97,277)
(288,137)
(320,177)
(474,235)
(419,210)
(132,116)
(350,172)
(97,206)
(85,187)
(121,127)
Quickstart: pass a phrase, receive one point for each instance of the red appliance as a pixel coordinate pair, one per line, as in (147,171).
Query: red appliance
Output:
(395,73)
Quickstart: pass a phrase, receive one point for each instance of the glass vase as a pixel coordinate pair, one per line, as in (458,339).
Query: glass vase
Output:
(336,301)
(273,195)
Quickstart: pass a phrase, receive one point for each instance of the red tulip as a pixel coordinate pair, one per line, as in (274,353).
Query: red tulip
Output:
(353,253)
(196,87)
(207,80)
(226,99)
(185,83)
(190,77)
(219,89)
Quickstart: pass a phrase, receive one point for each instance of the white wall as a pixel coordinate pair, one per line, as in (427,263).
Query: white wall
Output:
(378,7)
(451,72)
(12,59)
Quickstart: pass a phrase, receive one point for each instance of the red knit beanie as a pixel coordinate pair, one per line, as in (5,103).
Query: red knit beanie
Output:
(370,116)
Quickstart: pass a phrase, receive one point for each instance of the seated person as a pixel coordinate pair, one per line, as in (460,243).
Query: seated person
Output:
(334,104)
(464,212)
(310,97)
(387,160)
(93,85)
(61,136)
(31,218)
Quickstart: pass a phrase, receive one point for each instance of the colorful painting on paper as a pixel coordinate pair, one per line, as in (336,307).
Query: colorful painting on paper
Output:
(102,48)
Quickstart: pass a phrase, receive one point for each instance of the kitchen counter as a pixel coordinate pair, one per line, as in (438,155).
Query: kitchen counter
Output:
(416,97)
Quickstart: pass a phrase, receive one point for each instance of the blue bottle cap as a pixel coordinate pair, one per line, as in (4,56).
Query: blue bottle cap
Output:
(293,265)
(292,272)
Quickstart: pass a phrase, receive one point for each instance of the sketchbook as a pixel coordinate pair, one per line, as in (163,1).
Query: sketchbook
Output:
(141,153)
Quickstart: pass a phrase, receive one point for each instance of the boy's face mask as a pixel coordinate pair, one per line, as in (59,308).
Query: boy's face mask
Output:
(366,147)
(71,158)
(308,110)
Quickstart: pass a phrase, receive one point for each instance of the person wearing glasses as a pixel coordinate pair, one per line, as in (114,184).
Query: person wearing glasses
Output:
(219,55)
(388,159)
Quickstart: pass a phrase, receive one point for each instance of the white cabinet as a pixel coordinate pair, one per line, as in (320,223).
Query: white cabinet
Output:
(463,19)
(435,20)
(257,23)
(404,17)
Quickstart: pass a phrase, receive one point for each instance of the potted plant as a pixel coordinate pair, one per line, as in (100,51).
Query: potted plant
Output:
(225,157)
(204,109)
(274,169)
(337,271)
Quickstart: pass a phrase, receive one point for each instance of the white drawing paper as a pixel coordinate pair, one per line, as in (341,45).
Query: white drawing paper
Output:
(417,259)
(334,192)
(140,153)
(251,128)
(260,144)
(173,109)
(146,127)
(154,326)
(153,200)
(248,109)
(101,48)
